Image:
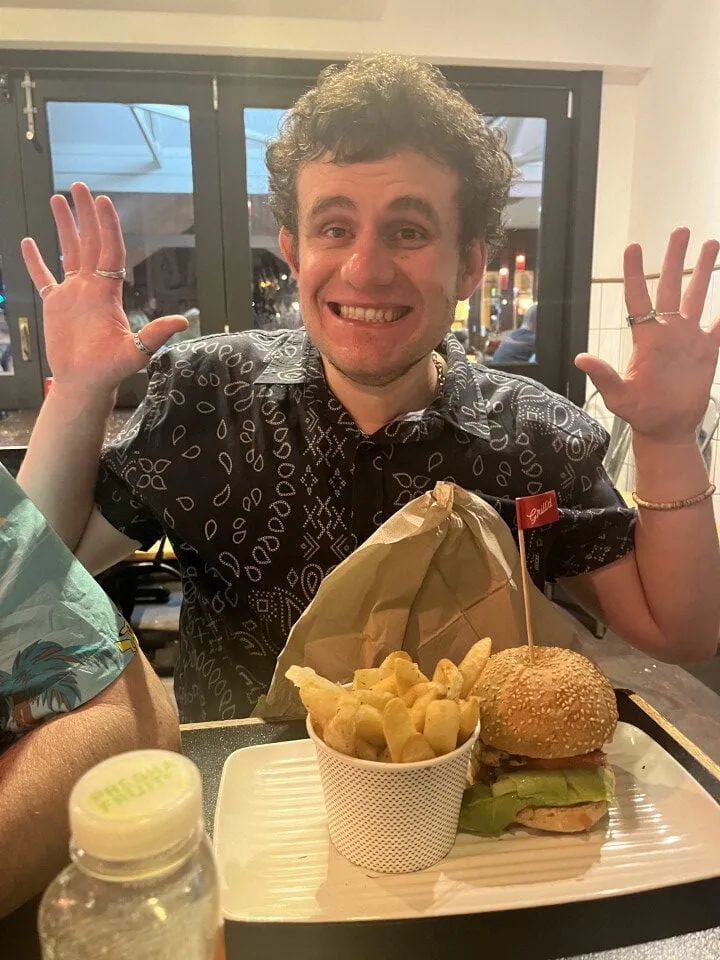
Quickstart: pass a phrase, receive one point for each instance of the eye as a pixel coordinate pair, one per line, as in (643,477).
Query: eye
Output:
(335,233)
(409,235)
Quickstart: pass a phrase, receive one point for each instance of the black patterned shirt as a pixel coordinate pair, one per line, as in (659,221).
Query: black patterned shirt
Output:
(263,483)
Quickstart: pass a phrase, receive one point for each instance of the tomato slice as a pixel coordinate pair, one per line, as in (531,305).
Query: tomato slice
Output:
(595,759)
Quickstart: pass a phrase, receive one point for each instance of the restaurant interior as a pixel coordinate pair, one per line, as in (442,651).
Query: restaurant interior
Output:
(611,114)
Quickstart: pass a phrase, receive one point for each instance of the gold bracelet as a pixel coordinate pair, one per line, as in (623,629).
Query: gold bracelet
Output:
(674,504)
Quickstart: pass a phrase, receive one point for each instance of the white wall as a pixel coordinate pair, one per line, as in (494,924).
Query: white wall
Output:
(663,139)
(611,34)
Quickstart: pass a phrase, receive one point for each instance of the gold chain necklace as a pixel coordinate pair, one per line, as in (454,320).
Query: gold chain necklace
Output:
(439,364)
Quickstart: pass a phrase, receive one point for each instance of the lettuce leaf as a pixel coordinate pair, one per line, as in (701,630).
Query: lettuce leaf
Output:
(489,810)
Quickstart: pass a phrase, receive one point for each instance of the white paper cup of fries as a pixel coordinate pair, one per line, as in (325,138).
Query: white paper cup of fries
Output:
(393,760)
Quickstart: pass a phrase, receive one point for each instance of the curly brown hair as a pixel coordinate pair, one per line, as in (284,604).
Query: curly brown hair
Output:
(374,107)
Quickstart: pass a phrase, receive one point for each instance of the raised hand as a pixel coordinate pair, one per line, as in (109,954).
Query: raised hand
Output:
(88,341)
(666,387)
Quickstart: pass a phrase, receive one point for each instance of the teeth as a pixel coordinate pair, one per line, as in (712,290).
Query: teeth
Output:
(371,315)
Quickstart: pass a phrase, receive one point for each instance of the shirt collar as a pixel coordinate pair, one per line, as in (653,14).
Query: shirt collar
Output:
(461,404)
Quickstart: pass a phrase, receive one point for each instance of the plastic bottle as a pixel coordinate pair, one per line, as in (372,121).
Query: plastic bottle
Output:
(142,881)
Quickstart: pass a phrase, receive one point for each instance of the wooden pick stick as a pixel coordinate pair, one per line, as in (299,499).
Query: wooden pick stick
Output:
(526,594)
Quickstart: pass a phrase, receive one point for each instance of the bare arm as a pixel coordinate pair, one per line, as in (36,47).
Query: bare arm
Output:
(60,467)
(90,349)
(665,598)
(38,772)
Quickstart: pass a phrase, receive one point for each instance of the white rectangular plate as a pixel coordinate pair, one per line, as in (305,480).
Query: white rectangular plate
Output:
(276,862)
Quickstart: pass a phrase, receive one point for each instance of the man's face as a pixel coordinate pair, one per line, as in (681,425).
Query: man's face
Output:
(379,268)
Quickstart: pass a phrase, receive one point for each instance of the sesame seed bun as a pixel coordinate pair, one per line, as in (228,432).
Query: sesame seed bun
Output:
(558,706)
(576,819)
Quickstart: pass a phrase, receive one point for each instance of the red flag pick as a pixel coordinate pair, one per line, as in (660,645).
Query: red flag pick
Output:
(532,512)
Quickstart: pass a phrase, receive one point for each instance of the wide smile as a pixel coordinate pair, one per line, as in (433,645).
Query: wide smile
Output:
(381,315)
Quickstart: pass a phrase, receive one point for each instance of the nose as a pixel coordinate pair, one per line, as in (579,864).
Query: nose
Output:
(369,264)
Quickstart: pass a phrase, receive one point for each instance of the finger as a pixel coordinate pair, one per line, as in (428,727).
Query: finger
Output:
(714,330)
(39,273)
(155,333)
(669,290)
(693,301)
(89,227)
(637,298)
(112,250)
(67,233)
(606,380)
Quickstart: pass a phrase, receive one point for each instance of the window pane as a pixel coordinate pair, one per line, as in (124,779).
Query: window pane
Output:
(502,326)
(139,155)
(274,292)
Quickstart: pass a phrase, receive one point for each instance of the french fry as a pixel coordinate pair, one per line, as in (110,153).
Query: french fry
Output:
(416,691)
(364,679)
(473,664)
(407,675)
(416,749)
(340,731)
(442,723)
(387,667)
(419,708)
(469,716)
(300,675)
(374,698)
(320,701)
(398,727)
(387,685)
(365,750)
(369,725)
(450,677)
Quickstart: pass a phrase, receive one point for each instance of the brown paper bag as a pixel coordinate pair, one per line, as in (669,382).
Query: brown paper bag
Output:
(440,574)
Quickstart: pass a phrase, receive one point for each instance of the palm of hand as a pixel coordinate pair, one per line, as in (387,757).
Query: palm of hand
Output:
(84,323)
(666,388)
(88,339)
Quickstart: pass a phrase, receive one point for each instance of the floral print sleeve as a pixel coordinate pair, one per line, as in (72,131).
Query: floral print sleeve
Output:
(61,639)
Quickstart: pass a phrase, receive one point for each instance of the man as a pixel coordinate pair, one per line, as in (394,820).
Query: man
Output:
(268,457)
(519,344)
(74,690)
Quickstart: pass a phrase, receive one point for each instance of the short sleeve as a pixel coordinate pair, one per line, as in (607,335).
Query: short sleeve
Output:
(595,526)
(61,639)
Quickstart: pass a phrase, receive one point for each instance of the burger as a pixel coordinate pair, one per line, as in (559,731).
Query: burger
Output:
(539,760)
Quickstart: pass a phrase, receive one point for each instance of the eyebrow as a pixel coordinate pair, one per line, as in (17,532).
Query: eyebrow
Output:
(404,204)
(326,203)
(416,205)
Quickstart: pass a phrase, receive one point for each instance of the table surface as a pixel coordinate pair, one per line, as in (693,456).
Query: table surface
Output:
(676,923)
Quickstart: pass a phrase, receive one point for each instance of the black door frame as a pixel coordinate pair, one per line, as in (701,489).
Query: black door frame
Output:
(195,92)
(278,81)
(24,386)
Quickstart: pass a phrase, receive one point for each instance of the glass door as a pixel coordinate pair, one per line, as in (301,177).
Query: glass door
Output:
(151,146)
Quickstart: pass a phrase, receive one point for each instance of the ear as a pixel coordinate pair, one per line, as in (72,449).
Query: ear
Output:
(288,246)
(472,270)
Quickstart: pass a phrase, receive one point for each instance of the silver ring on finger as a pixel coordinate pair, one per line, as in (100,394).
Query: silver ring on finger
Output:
(671,313)
(111,274)
(48,286)
(645,318)
(141,346)
(71,273)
